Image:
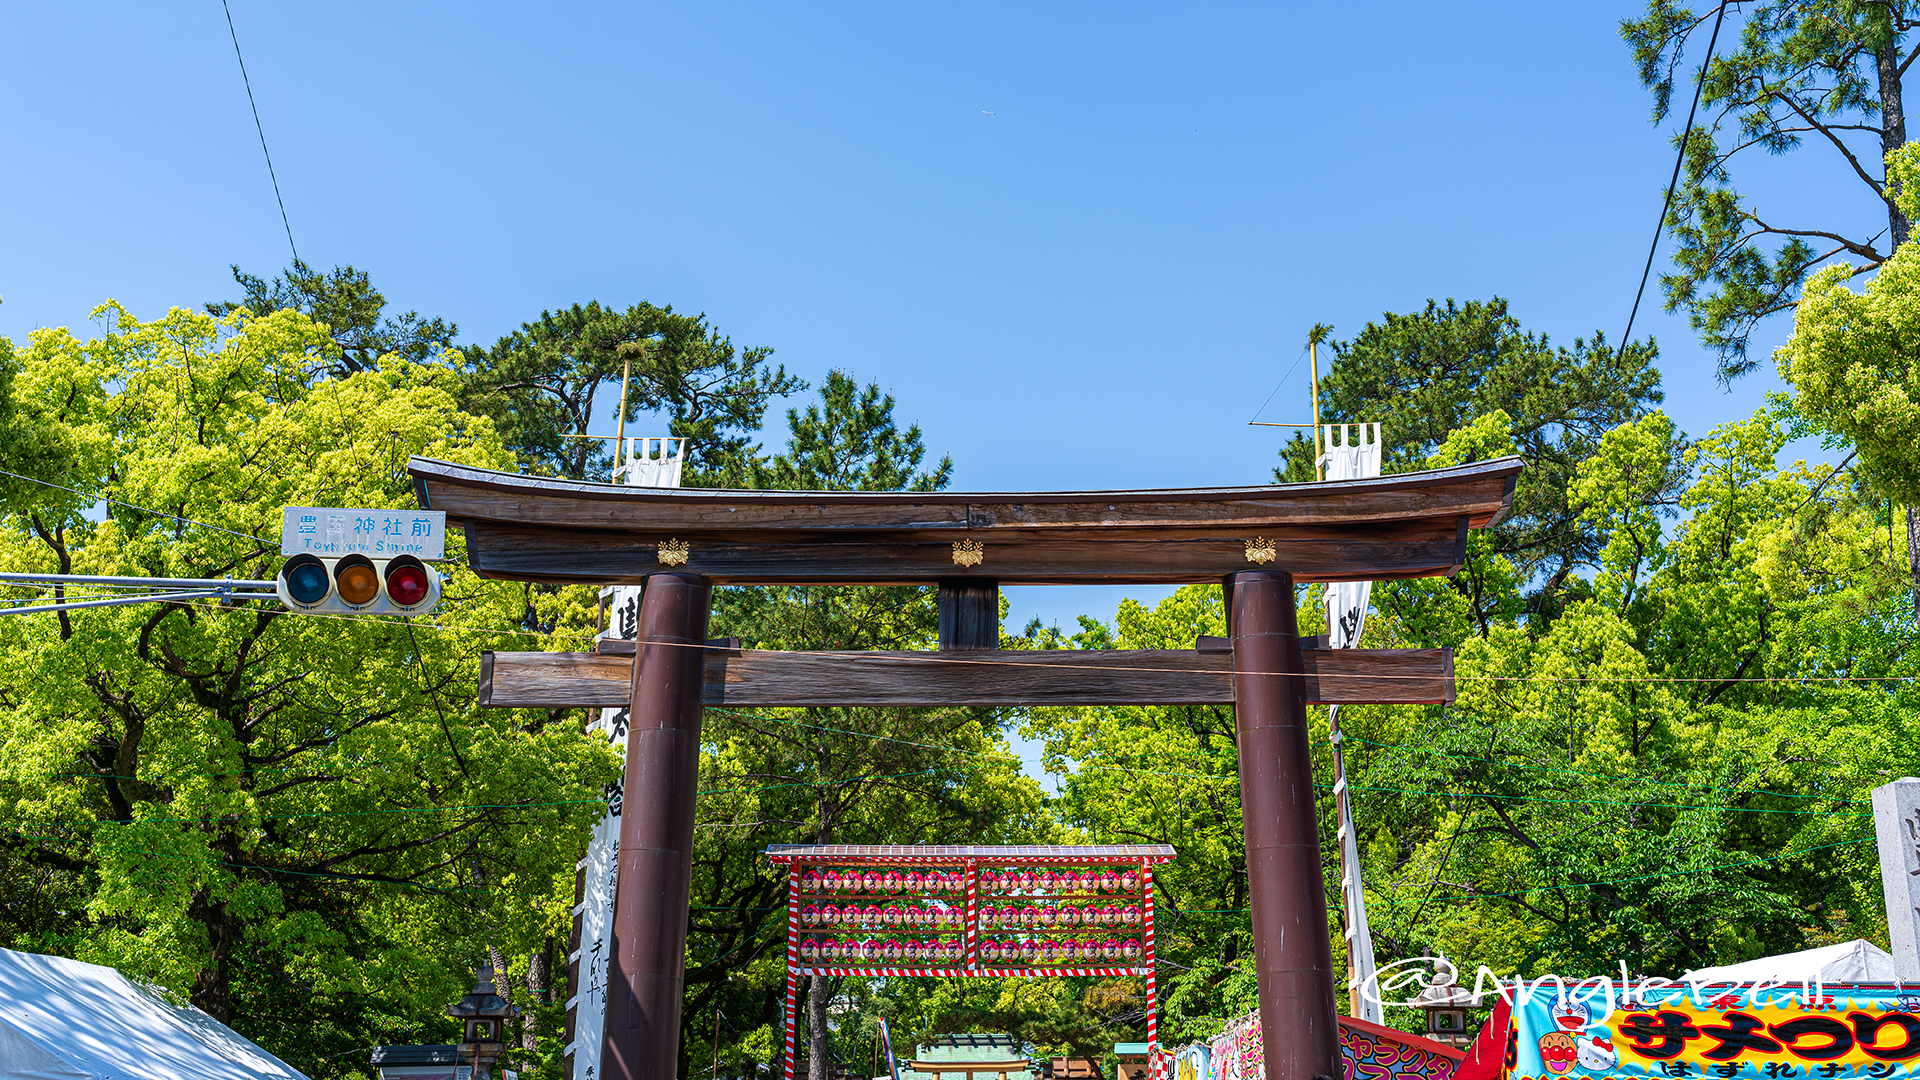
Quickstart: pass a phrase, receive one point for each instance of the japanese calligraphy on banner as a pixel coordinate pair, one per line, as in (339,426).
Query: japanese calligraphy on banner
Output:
(1718,1034)
(601,866)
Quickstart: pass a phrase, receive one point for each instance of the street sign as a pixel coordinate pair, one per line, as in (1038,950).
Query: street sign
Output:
(332,532)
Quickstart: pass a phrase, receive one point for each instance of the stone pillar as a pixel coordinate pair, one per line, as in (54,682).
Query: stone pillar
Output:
(1293,957)
(642,1040)
(1896,823)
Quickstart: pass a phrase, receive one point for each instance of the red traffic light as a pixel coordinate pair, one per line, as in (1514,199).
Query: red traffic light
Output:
(407,581)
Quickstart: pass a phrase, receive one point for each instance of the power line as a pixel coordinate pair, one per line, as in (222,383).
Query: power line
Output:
(1678,159)
(257,127)
(130,506)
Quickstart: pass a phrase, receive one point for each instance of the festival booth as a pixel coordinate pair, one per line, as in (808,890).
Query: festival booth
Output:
(1822,1014)
(1367,1052)
(65,1020)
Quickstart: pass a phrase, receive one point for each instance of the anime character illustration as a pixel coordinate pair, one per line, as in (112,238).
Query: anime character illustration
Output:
(809,949)
(1570,1013)
(1029,881)
(1069,916)
(810,916)
(1109,881)
(1557,1051)
(871,881)
(1595,1053)
(892,882)
(890,916)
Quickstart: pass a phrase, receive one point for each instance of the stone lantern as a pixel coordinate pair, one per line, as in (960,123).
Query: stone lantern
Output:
(1446,1003)
(485,1014)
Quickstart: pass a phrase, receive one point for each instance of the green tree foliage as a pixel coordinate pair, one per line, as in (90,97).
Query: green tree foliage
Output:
(1427,374)
(302,824)
(1854,363)
(1660,775)
(347,304)
(1829,72)
(543,383)
(849,442)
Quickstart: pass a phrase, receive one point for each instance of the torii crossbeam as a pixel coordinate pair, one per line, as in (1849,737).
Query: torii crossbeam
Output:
(1259,541)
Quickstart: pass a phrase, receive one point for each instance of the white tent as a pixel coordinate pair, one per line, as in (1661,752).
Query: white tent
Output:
(1857,961)
(61,1019)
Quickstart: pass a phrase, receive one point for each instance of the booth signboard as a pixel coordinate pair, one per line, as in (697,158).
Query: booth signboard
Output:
(875,910)
(1746,1032)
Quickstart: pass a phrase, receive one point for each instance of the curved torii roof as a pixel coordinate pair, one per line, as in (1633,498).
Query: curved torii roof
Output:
(526,528)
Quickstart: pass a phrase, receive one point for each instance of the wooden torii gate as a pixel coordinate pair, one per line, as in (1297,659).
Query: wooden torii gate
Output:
(1259,541)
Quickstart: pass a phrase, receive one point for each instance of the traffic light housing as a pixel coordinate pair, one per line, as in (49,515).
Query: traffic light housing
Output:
(356,584)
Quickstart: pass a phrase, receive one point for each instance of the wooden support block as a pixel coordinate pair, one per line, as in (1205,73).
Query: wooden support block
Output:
(984,677)
(969,614)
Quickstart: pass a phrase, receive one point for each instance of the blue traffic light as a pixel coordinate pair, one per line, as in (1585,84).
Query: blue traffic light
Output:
(307,579)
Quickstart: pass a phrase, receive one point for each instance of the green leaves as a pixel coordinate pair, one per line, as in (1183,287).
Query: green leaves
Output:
(1854,362)
(1806,74)
(1428,375)
(541,384)
(250,807)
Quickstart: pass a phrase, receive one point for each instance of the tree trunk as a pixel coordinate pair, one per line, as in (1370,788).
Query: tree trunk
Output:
(539,979)
(212,990)
(819,996)
(1893,128)
(1913,556)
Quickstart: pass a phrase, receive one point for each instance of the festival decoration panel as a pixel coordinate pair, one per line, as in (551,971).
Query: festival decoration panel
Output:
(984,912)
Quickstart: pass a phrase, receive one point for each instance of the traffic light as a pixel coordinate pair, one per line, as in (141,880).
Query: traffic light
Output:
(402,585)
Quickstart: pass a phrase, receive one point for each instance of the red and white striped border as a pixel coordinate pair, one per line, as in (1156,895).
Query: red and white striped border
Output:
(880,972)
(1154,1071)
(793,968)
(957,862)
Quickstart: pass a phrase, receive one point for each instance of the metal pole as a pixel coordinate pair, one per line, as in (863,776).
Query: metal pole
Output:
(1313,350)
(141,582)
(1293,957)
(119,600)
(620,428)
(642,1040)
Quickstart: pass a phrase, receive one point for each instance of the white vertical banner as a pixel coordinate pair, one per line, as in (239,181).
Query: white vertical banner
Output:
(1356,456)
(602,862)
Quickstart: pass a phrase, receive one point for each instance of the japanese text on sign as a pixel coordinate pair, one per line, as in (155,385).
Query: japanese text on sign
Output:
(331,532)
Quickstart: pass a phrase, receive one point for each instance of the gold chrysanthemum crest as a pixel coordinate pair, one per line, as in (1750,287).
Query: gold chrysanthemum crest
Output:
(1261,550)
(672,553)
(969,553)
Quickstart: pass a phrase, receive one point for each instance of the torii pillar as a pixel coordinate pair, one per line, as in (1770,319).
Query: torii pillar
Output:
(647,971)
(1292,955)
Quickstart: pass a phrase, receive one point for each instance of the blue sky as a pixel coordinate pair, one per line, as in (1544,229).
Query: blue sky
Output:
(1080,243)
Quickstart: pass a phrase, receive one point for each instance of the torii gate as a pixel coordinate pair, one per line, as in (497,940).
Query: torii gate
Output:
(1260,541)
